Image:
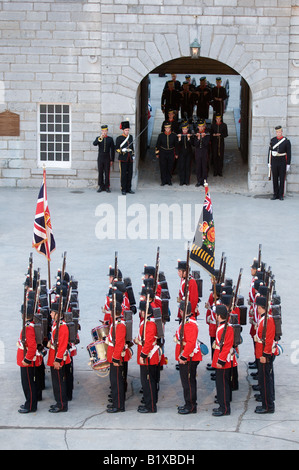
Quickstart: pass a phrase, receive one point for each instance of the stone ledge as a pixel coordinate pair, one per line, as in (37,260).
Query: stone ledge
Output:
(54,172)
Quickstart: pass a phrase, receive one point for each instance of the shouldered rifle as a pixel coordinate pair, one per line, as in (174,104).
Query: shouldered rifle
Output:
(37,291)
(30,270)
(220,268)
(113,312)
(269,158)
(156,271)
(58,321)
(145,318)
(115,266)
(268,303)
(259,259)
(186,296)
(235,295)
(222,277)
(63,266)
(24,320)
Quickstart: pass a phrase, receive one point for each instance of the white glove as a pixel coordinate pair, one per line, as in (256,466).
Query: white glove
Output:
(288,167)
(124,150)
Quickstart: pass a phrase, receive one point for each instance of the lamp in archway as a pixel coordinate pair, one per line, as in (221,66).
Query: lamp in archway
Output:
(194,49)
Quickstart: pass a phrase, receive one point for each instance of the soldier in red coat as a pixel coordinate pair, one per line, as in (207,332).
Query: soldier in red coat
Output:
(223,360)
(188,355)
(57,359)
(148,357)
(193,289)
(28,360)
(116,355)
(265,348)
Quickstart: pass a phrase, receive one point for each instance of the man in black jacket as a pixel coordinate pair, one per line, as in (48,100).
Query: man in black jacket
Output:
(106,153)
(279,162)
(125,149)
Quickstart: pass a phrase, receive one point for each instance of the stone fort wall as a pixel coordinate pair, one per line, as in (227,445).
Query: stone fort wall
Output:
(93,55)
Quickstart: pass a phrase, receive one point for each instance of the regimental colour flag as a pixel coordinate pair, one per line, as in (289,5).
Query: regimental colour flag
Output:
(43,239)
(203,247)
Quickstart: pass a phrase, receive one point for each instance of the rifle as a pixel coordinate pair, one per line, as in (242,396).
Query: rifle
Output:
(58,321)
(269,159)
(24,320)
(115,266)
(37,291)
(30,270)
(186,296)
(145,319)
(220,268)
(63,266)
(260,256)
(156,271)
(235,295)
(268,302)
(222,278)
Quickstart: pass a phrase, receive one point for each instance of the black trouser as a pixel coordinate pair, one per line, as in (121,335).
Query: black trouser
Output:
(29,386)
(223,388)
(149,377)
(184,166)
(166,162)
(278,167)
(218,155)
(189,384)
(69,378)
(117,383)
(104,171)
(59,387)
(201,166)
(126,173)
(266,383)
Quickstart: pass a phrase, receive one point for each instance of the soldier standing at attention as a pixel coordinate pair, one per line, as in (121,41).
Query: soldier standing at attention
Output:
(106,152)
(165,151)
(279,162)
(218,96)
(125,149)
(201,143)
(218,132)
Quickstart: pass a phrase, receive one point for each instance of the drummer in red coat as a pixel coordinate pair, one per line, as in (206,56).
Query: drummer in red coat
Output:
(188,355)
(148,357)
(28,360)
(223,360)
(57,359)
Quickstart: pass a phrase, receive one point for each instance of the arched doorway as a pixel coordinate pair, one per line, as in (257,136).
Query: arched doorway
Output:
(238,113)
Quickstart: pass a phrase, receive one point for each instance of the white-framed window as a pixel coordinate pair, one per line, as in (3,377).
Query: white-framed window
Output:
(54,129)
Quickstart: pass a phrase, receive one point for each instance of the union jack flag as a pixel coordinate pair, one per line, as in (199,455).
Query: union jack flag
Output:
(43,239)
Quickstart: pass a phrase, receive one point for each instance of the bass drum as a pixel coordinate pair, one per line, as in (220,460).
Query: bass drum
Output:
(99,333)
(98,357)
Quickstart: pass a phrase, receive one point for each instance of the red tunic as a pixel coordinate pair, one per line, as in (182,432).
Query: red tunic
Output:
(191,349)
(149,350)
(193,295)
(62,355)
(226,358)
(31,358)
(116,352)
(269,340)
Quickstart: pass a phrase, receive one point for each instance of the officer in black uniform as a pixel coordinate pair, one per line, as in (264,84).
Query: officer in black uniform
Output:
(219,95)
(201,143)
(125,149)
(279,162)
(184,151)
(203,98)
(106,152)
(165,151)
(218,134)
(170,99)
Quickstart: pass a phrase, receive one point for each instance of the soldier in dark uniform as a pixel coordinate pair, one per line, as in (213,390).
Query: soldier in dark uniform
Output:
(170,99)
(201,143)
(191,82)
(218,96)
(187,101)
(184,152)
(177,83)
(106,152)
(172,119)
(165,151)
(125,149)
(203,98)
(218,134)
(279,162)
